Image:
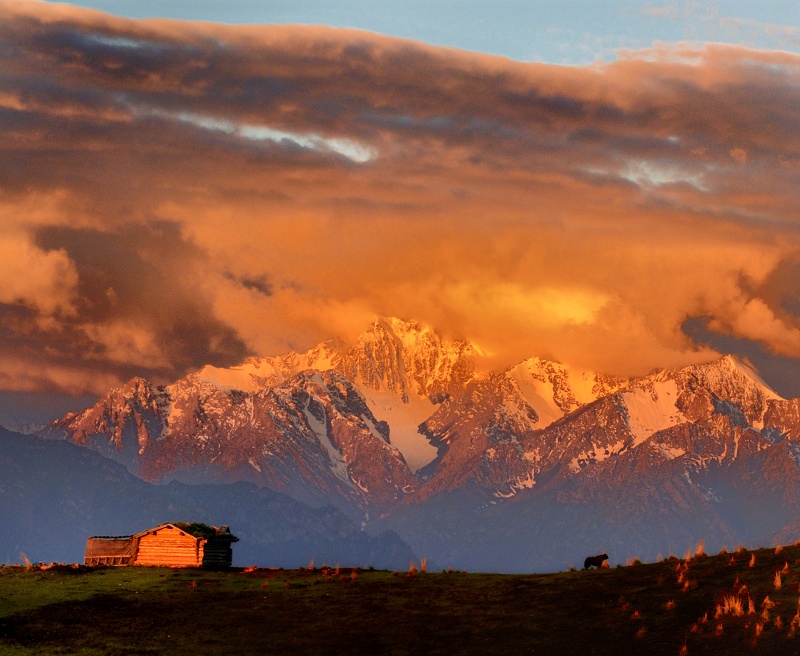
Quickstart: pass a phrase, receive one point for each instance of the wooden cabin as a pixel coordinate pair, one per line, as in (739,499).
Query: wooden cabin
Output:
(167,545)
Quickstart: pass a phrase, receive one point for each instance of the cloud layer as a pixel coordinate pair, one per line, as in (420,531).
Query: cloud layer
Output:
(173,194)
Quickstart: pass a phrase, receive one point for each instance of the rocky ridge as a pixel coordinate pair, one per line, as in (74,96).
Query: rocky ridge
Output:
(325,427)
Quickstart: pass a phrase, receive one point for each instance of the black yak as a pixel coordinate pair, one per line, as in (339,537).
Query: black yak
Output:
(595,561)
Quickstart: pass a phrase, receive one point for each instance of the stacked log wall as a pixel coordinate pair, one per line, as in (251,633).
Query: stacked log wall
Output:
(217,554)
(169,547)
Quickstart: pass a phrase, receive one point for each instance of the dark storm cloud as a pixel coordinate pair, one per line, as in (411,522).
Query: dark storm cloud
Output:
(141,277)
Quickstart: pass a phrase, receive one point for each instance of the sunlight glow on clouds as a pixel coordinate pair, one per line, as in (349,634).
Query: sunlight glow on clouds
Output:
(181,194)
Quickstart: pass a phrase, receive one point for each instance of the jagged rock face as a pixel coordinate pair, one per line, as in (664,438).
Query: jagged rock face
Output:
(123,424)
(784,416)
(407,358)
(566,421)
(313,437)
(725,380)
(478,435)
(305,424)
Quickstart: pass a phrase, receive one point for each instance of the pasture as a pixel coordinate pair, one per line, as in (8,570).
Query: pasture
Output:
(744,602)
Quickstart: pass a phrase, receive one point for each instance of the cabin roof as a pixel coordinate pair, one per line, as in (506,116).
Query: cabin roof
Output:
(222,532)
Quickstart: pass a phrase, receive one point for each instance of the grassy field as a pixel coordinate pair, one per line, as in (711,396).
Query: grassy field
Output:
(724,604)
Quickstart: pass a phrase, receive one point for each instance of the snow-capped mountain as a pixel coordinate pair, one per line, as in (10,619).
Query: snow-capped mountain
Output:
(395,425)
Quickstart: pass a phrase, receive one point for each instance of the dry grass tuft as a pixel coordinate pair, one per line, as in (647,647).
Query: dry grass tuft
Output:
(729,605)
(785,569)
(778,549)
(777,581)
(423,565)
(719,630)
(700,552)
(795,623)
(670,605)
(752,562)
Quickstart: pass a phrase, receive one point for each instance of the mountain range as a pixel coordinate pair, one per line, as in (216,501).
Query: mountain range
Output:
(533,467)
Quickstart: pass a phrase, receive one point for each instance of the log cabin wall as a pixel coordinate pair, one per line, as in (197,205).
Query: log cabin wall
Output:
(217,553)
(169,546)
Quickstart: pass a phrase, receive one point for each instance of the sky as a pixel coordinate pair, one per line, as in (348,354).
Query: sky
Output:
(614,185)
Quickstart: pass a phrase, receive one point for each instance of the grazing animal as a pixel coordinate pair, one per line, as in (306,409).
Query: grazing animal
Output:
(595,561)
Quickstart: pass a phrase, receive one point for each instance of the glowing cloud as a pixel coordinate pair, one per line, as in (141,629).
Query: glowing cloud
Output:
(178,194)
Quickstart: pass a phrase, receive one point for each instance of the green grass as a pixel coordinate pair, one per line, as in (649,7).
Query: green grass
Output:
(640,609)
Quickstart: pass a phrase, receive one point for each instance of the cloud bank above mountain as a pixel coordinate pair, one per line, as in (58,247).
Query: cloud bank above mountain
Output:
(174,194)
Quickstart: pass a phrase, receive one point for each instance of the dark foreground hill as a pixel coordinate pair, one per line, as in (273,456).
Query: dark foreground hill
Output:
(740,603)
(53,495)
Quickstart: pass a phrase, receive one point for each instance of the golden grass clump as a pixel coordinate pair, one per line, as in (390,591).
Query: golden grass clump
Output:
(752,562)
(729,605)
(700,551)
(778,549)
(670,605)
(777,580)
(795,623)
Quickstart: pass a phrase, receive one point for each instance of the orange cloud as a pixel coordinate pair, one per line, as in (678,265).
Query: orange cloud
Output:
(189,193)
